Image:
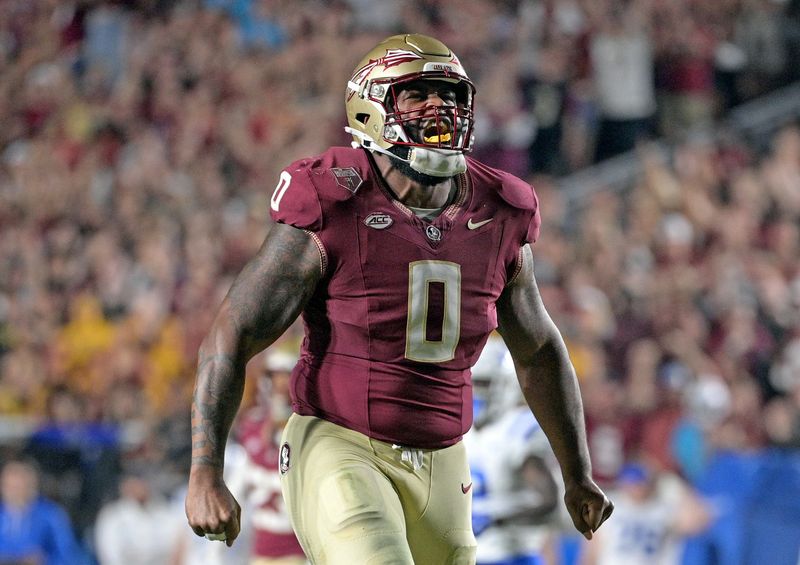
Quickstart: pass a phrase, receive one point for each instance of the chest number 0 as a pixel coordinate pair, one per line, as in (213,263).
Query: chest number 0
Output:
(420,276)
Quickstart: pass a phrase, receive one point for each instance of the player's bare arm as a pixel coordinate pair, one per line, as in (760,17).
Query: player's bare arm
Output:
(550,387)
(262,303)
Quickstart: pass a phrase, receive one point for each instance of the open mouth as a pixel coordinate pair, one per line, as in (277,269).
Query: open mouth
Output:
(437,133)
(443,138)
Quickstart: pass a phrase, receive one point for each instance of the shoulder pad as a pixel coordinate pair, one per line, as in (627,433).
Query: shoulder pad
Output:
(339,173)
(513,191)
(308,186)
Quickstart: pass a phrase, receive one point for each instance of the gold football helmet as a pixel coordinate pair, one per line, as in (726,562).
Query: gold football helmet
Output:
(374,121)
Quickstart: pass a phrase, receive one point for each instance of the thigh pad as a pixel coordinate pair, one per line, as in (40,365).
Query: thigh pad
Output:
(350,496)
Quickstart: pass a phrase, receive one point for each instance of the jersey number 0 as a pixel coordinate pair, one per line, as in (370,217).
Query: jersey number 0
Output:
(420,276)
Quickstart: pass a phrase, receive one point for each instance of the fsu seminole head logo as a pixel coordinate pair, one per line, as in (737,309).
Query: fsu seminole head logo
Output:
(392,58)
(284,459)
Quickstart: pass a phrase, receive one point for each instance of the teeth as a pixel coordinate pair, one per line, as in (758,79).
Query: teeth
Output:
(444,138)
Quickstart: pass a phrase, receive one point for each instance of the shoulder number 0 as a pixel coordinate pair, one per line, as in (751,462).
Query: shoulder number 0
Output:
(420,276)
(283,184)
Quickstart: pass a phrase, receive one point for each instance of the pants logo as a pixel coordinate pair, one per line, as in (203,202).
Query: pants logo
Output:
(284,459)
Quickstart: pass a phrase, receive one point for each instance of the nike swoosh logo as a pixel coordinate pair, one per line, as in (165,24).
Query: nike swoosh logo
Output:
(465,489)
(475,225)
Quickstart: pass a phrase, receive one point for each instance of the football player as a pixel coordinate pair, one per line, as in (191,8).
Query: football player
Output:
(402,254)
(494,384)
(515,509)
(656,512)
(257,479)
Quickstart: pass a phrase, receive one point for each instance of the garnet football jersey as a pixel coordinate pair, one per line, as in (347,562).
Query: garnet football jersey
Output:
(405,305)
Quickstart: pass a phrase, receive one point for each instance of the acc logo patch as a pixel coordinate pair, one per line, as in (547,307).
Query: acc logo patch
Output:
(347,177)
(284,459)
(378,221)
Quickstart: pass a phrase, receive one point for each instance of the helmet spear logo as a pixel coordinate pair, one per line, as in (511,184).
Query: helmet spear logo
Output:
(392,58)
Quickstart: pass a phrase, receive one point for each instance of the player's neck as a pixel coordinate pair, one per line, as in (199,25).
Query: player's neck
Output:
(410,192)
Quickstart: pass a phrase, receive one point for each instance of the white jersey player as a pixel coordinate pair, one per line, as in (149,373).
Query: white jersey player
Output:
(652,516)
(515,496)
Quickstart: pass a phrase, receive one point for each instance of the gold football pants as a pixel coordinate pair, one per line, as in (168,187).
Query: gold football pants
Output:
(355,500)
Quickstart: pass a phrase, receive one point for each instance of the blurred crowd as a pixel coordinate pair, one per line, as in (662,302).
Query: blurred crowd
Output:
(141,140)
(680,304)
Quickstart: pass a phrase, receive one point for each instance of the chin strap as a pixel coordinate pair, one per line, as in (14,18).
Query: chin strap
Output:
(437,162)
(368,143)
(428,161)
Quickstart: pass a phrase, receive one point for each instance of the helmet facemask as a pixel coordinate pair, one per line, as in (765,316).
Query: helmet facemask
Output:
(435,127)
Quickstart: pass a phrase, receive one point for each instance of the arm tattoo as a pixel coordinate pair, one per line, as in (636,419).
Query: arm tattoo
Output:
(264,300)
(211,396)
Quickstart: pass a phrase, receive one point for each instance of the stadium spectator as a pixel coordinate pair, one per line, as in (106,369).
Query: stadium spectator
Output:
(684,54)
(657,512)
(32,528)
(138,527)
(78,457)
(622,72)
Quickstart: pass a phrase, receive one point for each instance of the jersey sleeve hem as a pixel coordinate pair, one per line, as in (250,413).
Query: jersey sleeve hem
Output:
(517,266)
(323,254)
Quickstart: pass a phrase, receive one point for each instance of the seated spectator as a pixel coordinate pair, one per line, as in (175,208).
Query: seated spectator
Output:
(33,529)
(78,459)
